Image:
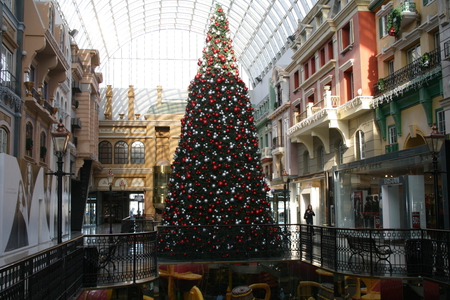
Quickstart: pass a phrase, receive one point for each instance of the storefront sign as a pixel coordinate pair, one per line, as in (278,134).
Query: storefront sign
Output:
(391,180)
(415,219)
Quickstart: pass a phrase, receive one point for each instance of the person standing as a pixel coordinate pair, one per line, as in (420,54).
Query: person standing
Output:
(309,214)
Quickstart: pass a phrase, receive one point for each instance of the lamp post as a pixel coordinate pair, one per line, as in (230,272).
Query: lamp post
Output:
(122,188)
(110,177)
(435,140)
(60,139)
(285,177)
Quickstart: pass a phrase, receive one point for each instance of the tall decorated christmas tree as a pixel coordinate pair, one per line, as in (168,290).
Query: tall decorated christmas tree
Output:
(216,204)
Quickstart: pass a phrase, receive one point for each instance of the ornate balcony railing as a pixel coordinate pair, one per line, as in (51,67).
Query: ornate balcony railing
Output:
(87,261)
(9,81)
(370,252)
(414,70)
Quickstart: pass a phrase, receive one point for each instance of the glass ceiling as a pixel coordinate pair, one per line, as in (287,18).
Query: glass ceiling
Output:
(130,30)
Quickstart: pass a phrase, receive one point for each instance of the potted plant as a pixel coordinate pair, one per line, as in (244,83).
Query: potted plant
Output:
(43,151)
(381,84)
(29,144)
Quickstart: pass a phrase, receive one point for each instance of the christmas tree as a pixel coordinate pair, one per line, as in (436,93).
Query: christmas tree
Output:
(217,194)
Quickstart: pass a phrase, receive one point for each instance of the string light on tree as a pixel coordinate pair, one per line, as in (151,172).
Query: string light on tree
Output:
(216,177)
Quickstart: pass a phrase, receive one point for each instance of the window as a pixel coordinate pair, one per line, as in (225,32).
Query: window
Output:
(437,40)
(313,65)
(3,140)
(43,146)
(347,38)
(322,57)
(306,70)
(382,24)
(321,158)
(361,146)
(137,153)
(121,153)
(392,134)
(306,162)
(349,84)
(296,79)
(7,68)
(50,19)
(413,53)
(426,2)
(105,152)
(29,139)
(340,153)
(330,50)
(440,120)
(391,67)
(7,59)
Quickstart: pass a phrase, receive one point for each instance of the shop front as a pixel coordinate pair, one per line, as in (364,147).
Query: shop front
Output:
(394,190)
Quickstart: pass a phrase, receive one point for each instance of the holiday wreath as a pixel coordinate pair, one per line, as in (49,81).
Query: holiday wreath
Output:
(394,22)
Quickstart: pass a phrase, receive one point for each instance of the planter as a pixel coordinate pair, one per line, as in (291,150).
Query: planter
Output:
(29,85)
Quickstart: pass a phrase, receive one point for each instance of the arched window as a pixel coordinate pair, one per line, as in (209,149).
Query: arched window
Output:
(3,140)
(137,153)
(121,153)
(306,162)
(360,145)
(29,139)
(105,152)
(321,158)
(43,145)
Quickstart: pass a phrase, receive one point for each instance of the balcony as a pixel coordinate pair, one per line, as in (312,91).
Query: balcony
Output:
(89,261)
(277,146)
(409,13)
(34,100)
(413,75)
(391,148)
(61,271)
(266,154)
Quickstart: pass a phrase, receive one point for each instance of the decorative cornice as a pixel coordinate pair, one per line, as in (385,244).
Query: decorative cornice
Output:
(285,106)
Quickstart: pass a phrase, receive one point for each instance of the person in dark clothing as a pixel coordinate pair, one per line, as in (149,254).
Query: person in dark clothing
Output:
(309,214)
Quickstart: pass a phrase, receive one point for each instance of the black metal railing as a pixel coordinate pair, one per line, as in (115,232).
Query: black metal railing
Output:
(370,252)
(51,274)
(137,224)
(411,71)
(9,81)
(88,261)
(119,258)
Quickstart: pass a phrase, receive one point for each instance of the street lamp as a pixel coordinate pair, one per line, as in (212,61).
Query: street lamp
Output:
(60,139)
(110,177)
(285,177)
(435,140)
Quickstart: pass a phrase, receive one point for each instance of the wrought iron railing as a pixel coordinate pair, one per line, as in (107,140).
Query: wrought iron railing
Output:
(88,261)
(371,252)
(56,273)
(119,258)
(411,71)
(9,81)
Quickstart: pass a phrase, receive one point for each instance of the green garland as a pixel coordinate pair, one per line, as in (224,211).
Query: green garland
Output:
(29,144)
(381,84)
(394,21)
(425,60)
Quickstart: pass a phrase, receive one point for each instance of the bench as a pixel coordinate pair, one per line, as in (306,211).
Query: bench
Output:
(365,245)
